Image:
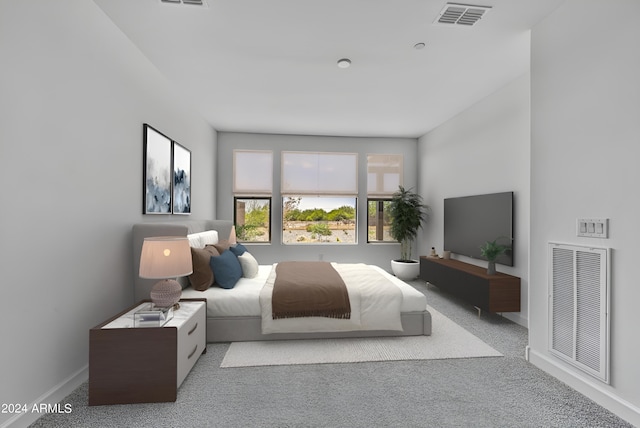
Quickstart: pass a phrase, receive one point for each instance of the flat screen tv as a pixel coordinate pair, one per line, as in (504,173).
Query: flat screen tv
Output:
(470,221)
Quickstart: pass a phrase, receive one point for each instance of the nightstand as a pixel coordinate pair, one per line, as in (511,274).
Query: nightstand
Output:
(145,364)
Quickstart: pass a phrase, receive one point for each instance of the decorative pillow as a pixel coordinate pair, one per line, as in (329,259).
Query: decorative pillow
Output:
(238,249)
(226,269)
(209,237)
(202,276)
(249,265)
(222,245)
(202,239)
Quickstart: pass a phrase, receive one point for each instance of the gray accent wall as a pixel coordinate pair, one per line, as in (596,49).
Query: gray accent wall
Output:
(75,93)
(379,254)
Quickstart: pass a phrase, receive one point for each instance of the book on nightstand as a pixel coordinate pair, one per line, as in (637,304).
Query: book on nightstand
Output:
(152,316)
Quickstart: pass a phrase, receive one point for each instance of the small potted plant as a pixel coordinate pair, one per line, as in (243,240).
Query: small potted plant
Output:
(407,213)
(491,250)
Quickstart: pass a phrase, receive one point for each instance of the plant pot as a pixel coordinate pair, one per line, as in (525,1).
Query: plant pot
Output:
(491,268)
(405,270)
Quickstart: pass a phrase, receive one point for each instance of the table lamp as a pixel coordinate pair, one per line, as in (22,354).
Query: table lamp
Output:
(165,258)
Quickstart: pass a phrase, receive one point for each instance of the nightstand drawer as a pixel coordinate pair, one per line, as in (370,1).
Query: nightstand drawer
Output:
(191,342)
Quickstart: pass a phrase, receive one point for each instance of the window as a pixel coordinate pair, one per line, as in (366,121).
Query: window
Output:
(378,220)
(252,217)
(319,220)
(252,188)
(384,175)
(319,197)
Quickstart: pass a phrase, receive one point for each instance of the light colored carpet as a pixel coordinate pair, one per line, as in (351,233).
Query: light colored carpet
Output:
(448,340)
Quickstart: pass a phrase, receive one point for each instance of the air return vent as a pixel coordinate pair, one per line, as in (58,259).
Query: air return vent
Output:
(579,307)
(461,14)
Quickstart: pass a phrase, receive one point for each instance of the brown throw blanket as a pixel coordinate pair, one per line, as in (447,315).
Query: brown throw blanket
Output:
(309,289)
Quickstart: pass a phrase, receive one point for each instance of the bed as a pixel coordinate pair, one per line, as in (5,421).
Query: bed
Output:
(237,314)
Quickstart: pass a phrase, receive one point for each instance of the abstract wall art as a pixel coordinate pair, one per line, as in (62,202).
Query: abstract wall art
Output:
(181,179)
(157,176)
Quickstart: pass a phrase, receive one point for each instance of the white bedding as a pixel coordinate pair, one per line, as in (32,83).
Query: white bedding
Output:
(244,299)
(375,305)
(241,300)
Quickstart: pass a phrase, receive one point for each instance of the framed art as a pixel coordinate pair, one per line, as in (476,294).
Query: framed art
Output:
(181,179)
(157,174)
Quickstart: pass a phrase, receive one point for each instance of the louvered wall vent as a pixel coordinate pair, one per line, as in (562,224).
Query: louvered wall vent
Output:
(180,2)
(579,307)
(461,14)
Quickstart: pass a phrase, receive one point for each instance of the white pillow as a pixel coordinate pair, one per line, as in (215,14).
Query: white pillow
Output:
(202,239)
(209,237)
(249,265)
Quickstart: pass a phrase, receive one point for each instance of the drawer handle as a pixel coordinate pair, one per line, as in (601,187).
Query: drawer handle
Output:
(192,352)
(193,329)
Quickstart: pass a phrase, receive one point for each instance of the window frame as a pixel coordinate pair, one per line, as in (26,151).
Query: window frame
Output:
(379,164)
(379,225)
(355,224)
(316,172)
(269,221)
(250,193)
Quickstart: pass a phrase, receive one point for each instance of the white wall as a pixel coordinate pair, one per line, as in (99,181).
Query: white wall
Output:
(584,162)
(484,149)
(379,254)
(75,94)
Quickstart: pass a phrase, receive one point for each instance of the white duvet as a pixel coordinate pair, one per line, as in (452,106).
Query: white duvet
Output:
(375,304)
(244,300)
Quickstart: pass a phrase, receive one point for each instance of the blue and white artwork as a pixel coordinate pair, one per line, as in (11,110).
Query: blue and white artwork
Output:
(181,180)
(157,172)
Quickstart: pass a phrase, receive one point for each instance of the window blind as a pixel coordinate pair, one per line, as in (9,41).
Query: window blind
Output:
(384,174)
(252,172)
(313,173)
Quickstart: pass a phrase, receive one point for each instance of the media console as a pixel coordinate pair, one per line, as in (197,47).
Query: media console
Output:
(493,293)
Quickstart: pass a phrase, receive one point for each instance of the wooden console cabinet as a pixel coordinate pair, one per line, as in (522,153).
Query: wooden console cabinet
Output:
(493,293)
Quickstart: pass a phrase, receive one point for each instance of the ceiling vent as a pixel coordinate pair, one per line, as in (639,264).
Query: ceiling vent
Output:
(461,14)
(180,2)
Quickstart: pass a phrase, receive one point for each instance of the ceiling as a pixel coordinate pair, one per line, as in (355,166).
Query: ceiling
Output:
(271,66)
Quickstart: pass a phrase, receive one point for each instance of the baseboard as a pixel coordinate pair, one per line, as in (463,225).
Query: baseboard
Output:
(588,387)
(51,397)
(517,318)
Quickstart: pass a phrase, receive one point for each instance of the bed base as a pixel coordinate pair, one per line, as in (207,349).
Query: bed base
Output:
(243,329)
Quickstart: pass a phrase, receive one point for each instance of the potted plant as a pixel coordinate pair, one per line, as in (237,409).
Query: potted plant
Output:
(407,213)
(491,250)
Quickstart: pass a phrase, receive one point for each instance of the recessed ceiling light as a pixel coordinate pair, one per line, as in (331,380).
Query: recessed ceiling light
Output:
(419,45)
(344,62)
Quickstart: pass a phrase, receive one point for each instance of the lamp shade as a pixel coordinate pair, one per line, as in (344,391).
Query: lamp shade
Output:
(232,235)
(165,257)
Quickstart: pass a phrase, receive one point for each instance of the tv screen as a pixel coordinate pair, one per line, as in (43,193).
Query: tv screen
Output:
(470,221)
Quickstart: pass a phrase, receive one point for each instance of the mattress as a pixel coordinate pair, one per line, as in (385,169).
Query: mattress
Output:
(244,298)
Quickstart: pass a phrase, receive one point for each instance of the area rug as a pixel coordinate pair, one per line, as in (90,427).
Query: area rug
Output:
(448,340)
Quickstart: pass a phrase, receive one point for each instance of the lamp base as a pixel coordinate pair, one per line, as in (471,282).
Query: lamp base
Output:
(166,293)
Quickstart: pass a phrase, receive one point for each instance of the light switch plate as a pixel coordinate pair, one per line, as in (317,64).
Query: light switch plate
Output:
(592,227)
